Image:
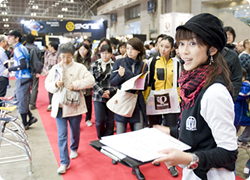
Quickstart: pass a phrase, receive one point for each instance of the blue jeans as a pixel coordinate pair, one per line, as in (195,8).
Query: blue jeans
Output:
(104,119)
(62,131)
(121,127)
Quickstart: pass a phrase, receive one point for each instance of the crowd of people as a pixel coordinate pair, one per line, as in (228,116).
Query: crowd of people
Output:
(200,69)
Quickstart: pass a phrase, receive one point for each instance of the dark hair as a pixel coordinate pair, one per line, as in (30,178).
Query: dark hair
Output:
(231,30)
(136,43)
(146,46)
(102,40)
(152,43)
(170,39)
(120,45)
(246,41)
(160,36)
(30,38)
(219,67)
(173,52)
(113,45)
(90,42)
(67,48)
(106,47)
(54,44)
(88,56)
(244,72)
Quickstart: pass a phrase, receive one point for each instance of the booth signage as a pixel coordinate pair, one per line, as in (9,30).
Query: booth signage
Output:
(96,27)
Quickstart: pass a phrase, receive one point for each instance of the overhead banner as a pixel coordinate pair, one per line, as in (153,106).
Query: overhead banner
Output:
(96,27)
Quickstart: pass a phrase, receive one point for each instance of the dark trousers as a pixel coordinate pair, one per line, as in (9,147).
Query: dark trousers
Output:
(34,90)
(104,119)
(3,87)
(88,100)
(169,120)
(50,97)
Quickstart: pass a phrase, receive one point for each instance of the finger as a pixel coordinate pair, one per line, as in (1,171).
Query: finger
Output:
(159,160)
(166,151)
(156,126)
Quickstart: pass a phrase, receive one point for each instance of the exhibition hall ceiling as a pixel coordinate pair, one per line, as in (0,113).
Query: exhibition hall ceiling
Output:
(13,12)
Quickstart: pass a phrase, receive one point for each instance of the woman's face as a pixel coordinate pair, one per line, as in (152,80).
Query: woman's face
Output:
(104,42)
(122,50)
(106,56)
(66,58)
(165,48)
(83,51)
(192,54)
(132,53)
(230,37)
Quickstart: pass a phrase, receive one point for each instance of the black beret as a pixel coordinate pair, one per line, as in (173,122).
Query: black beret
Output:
(209,27)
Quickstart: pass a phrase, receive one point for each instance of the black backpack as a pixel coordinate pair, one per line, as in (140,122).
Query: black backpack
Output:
(36,64)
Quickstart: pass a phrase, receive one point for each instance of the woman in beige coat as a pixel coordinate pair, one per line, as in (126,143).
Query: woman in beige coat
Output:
(74,76)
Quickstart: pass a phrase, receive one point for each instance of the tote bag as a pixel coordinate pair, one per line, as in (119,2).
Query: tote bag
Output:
(164,101)
(123,103)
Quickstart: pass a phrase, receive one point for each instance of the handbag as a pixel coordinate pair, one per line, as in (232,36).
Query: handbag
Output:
(70,98)
(123,103)
(164,101)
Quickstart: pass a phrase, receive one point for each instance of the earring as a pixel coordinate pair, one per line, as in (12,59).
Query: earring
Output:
(211,60)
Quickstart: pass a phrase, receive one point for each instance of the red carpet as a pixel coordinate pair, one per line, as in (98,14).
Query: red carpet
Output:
(91,164)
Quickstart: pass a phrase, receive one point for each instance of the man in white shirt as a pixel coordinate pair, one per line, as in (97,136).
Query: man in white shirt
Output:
(246,46)
(3,65)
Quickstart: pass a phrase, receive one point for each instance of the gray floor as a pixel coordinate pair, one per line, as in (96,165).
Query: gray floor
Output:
(44,162)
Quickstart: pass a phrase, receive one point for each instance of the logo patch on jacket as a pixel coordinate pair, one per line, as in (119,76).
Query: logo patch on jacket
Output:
(191,124)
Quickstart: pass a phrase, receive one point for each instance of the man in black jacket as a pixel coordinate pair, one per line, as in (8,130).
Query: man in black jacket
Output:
(234,66)
(30,39)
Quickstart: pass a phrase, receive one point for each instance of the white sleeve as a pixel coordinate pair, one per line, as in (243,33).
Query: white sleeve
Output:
(217,108)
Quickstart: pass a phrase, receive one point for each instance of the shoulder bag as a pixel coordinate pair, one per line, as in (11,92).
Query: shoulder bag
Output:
(164,101)
(123,103)
(69,98)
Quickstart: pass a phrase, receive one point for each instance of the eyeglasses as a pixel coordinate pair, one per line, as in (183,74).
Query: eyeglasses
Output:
(105,53)
(66,57)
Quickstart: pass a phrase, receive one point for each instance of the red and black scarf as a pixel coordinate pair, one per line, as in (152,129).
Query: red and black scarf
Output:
(191,83)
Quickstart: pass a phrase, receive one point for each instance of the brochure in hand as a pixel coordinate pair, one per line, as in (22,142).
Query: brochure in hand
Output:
(58,72)
(135,83)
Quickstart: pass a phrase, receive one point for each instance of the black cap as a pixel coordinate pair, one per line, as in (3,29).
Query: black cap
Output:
(15,33)
(209,27)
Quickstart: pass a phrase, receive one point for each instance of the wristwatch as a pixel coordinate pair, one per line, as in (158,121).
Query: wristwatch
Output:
(194,163)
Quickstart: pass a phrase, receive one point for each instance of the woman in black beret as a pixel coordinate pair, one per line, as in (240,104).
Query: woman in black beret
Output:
(207,114)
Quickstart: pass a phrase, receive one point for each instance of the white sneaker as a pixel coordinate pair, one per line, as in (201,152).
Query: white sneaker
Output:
(246,170)
(89,123)
(49,108)
(73,154)
(62,169)
(248,178)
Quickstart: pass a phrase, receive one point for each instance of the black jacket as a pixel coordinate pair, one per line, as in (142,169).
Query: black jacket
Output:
(116,80)
(234,66)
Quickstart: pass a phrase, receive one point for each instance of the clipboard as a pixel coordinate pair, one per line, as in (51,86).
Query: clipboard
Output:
(127,161)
